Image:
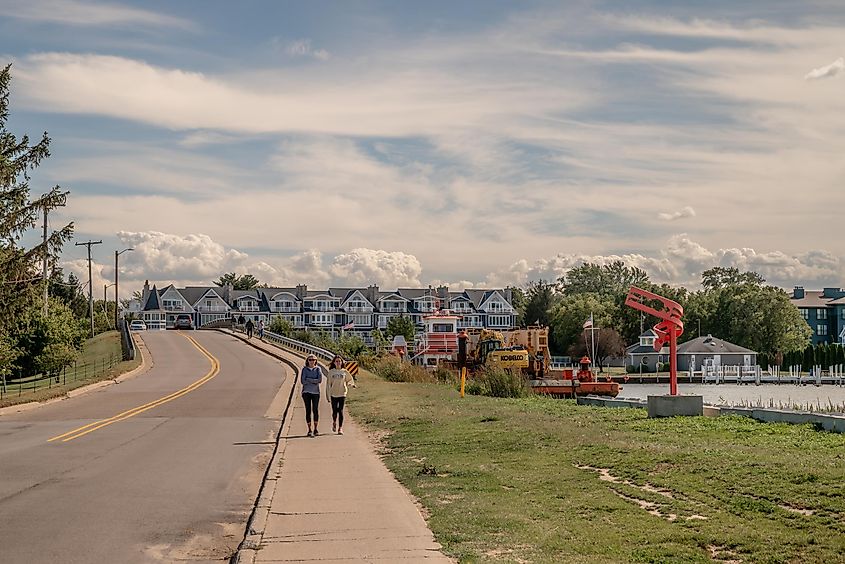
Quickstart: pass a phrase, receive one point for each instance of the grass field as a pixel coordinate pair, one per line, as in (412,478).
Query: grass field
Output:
(100,359)
(544,480)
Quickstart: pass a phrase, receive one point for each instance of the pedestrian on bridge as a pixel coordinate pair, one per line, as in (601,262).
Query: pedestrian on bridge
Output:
(261,329)
(249,327)
(310,378)
(338,381)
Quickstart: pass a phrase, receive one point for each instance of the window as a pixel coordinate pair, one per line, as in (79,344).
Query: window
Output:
(843,313)
(360,320)
(495,306)
(172,304)
(821,330)
(499,320)
(821,314)
(805,313)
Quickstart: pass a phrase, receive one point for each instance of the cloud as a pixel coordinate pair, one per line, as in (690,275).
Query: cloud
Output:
(683,260)
(361,267)
(301,48)
(197,259)
(683,213)
(88,14)
(830,70)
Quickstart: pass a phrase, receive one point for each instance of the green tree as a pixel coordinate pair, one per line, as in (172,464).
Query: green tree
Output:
(281,326)
(379,340)
(69,292)
(21,285)
(609,280)
(608,343)
(245,282)
(518,303)
(722,277)
(540,299)
(570,314)
(401,325)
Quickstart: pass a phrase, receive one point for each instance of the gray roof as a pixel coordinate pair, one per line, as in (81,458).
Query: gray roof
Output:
(152,301)
(812,298)
(711,345)
(193,294)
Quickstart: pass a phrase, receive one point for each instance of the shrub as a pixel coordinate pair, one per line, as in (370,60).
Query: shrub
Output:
(498,383)
(393,369)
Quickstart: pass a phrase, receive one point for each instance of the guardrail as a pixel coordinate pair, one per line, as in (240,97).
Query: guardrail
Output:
(127,344)
(292,344)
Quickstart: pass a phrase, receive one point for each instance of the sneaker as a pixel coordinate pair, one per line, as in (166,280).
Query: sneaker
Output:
(316,432)
(340,431)
(334,425)
(309,433)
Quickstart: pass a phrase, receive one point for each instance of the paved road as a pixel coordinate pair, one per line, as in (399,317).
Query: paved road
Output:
(174,482)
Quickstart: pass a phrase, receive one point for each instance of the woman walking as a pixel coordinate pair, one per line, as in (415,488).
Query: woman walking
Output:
(337,385)
(310,378)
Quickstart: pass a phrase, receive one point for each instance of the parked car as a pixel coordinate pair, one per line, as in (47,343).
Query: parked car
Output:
(183,321)
(137,325)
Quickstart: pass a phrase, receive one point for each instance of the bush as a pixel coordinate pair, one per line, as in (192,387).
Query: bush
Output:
(393,369)
(498,382)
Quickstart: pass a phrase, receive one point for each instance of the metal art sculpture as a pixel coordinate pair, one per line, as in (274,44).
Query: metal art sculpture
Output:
(667,330)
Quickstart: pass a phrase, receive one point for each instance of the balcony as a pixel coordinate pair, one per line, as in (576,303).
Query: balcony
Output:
(212,309)
(248,308)
(393,309)
(286,309)
(359,309)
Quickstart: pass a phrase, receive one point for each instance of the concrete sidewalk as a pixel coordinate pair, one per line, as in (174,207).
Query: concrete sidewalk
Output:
(330,498)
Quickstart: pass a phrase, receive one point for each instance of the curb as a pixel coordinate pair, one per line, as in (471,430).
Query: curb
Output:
(143,367)
(248,548)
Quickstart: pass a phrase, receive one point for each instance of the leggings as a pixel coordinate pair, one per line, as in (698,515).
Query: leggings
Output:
(337,410)
(312,403)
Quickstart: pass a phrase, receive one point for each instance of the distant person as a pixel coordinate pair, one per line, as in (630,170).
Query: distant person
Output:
(310,378)
(337,386)
(241,320)
(250,326)
(261,329)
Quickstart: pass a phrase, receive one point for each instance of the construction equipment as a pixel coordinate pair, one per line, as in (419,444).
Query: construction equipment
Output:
(568,383)
(524,349)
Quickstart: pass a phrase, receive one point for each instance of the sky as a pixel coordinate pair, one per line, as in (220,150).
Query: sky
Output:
(473,144)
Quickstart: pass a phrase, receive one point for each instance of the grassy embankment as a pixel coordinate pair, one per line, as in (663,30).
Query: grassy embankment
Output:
(544,480)
(92,366)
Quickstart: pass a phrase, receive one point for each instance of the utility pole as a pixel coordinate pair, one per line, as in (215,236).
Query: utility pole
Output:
(44,272)
(90,283)
(116,295)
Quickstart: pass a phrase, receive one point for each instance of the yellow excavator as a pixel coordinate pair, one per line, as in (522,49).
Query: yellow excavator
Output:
(523,349)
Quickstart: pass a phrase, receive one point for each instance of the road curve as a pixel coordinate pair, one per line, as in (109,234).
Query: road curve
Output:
(173,473)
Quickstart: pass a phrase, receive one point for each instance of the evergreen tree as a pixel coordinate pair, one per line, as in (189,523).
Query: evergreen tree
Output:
(21,284)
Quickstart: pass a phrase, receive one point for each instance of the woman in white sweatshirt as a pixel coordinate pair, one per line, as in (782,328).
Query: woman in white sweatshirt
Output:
(337,385)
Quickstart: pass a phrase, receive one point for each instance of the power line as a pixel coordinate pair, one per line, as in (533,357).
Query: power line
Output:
(90,285)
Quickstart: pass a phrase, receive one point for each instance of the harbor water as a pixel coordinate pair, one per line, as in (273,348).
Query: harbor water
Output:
(787,396)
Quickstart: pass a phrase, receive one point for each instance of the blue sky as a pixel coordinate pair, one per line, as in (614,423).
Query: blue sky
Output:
(473,143)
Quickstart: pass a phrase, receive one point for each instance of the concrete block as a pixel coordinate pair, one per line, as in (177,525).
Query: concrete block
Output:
(741,411)
(711,411)
(673,406)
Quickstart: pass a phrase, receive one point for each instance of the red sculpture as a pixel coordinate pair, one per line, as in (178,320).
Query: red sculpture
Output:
(667,330)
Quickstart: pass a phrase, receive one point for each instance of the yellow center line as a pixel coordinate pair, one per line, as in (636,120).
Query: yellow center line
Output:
(91,427)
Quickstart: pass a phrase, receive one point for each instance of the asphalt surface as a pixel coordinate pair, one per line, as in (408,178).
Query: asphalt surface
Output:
(175,482)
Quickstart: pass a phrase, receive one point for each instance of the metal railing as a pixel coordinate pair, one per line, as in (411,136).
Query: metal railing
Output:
(78,371)
(292,344)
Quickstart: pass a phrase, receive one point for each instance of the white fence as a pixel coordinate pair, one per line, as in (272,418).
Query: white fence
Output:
(774,375)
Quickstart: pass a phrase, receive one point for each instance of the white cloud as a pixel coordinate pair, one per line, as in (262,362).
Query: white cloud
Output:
(683,213)
(683,260)
(826,71)
(361,267)
(79,13)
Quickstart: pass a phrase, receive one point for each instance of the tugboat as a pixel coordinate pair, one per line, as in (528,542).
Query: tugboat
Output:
(567,383)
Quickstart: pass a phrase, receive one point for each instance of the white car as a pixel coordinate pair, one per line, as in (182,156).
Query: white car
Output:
(137,325)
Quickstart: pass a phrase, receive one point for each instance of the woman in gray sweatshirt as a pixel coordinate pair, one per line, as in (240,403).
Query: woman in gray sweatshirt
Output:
(310,378)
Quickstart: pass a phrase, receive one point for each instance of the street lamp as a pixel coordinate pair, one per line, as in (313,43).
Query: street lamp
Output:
(117,254)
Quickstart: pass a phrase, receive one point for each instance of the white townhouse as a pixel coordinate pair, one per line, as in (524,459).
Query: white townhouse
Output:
(356,310)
